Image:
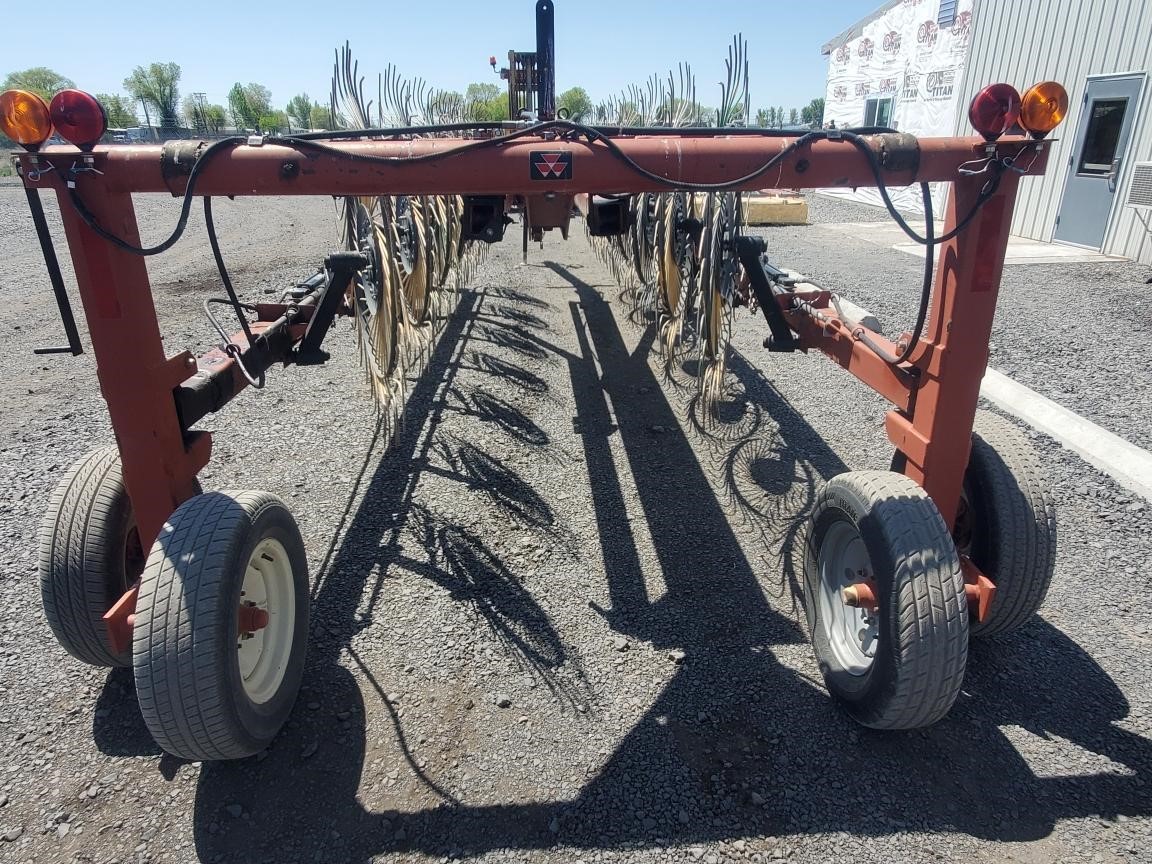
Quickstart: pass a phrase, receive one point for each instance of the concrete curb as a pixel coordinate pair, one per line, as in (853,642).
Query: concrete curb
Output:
(1126,463)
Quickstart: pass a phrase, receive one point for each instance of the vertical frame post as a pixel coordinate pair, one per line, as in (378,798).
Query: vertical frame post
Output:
(136,379)
(545,60)
(936,434)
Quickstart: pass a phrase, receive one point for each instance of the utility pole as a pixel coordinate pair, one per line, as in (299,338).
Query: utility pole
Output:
(198,117)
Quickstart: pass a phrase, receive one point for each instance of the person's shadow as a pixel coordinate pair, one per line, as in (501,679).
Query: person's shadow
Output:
(736,745)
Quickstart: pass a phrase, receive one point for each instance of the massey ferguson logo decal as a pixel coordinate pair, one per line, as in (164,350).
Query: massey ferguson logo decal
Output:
(551,165)
(891,42)
(865,48)
(926,35)
(842,53)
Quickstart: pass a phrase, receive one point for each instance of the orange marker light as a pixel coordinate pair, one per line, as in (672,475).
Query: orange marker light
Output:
(24,118)
(1043,108)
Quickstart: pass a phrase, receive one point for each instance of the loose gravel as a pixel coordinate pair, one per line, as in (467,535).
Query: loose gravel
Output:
(1076,333)
(554,620)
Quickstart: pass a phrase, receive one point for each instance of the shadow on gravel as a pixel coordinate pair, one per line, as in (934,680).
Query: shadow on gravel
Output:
(513,338)
(488,408)
(509,372)
(484,472)
(736,746)
(117,727)
(519,297)
(520,317)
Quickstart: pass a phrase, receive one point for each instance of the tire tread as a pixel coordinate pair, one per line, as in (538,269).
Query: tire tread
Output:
(1023,524)
(185,703)
(931,615)
(73,551)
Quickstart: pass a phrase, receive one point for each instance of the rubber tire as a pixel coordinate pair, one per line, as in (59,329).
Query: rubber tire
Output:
(1013,522)
(82,560)
(184,641)
(922,647)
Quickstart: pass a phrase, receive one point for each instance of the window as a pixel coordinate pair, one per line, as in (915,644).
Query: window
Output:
(878,112)
(1105,120)
(946,17)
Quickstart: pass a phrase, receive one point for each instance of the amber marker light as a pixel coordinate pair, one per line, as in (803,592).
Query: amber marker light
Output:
(78,117)
(1043,108)
(24,118)
(994,110)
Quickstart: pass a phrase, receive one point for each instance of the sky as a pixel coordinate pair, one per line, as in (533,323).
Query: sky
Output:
(289,47)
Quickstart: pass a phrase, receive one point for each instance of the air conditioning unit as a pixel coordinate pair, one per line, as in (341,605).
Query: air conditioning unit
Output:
(1140,192)
(1140,195)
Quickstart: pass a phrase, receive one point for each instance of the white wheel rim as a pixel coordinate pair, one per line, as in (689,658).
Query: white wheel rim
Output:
(264,653)
(852,631)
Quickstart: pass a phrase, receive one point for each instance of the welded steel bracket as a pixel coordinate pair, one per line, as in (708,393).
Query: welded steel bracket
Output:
(342,268)
(761,275)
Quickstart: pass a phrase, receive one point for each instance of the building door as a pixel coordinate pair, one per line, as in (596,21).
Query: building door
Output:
(1098,159)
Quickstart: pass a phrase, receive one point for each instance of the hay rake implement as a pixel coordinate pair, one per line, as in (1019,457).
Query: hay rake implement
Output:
(205,594)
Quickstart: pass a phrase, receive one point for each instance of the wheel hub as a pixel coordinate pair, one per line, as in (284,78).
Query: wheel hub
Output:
(266,620)
(852,630)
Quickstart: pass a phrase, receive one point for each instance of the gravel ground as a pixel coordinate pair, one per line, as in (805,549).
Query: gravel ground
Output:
(555,621)
(1076,333)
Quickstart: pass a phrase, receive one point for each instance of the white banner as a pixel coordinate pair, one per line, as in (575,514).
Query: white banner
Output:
(903,71)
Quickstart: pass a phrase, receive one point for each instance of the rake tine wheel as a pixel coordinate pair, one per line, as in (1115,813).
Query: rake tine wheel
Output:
(412,243)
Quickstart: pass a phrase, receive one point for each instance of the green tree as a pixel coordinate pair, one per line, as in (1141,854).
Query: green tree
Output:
(576,101)
(39,79)
(157,87)
(121,110)
(299,111)
(259,97)
(249,104)
(762,117)
(215,118)
(273,122)
(813,112)
(485,102)
(484,92)
(192,109)
(793,117)
(319,117)
(243,115)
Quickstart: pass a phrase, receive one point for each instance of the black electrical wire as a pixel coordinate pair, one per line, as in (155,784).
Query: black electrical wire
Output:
(314,142)
(592,133)
(231,348)
(925,293)
(986,192)
(479,126)
(533,131)
(479,144)
(181,223)
(853,137)
(393,131)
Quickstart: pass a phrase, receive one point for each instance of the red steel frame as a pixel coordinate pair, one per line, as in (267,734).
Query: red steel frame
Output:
(934,407)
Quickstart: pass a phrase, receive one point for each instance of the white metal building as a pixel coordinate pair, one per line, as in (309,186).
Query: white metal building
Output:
(1100,50)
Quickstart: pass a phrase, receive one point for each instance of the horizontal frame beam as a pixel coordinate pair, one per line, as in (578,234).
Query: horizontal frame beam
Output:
(454,166)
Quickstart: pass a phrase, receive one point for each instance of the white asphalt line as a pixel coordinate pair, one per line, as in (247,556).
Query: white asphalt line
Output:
(1125,463)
